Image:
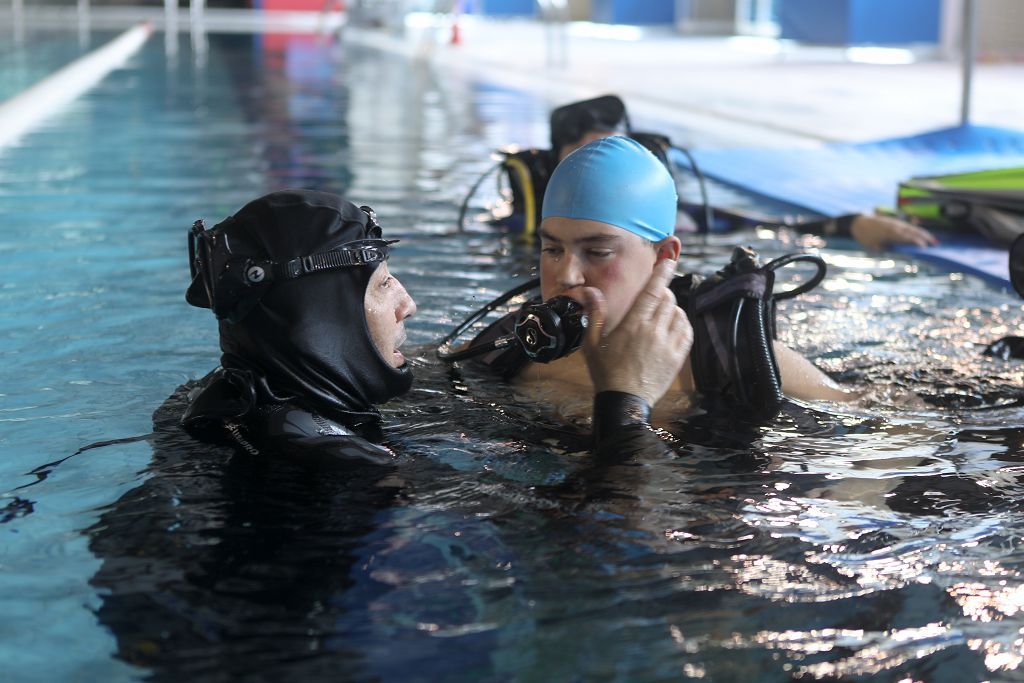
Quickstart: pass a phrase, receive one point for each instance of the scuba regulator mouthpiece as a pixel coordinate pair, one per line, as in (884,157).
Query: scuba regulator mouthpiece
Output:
(543,331)
(552,329)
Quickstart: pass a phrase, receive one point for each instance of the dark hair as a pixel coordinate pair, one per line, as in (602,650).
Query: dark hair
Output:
(571,122)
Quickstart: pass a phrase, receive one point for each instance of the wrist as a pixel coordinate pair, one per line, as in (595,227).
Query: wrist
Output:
(616,409)
(841,226)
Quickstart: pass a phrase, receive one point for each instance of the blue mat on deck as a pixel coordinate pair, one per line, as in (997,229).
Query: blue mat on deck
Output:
(972,254)
(857,177)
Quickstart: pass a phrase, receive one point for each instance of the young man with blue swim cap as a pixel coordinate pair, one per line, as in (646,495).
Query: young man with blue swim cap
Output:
(607,241)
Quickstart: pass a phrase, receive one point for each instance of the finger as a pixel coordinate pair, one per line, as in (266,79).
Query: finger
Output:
(681,339)
(920,237)
(663,312)
(682,331)
(928,237)
(596,308)
(680,322)
(647,302)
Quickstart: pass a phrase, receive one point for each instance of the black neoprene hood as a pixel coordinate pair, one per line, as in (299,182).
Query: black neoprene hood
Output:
(306,339)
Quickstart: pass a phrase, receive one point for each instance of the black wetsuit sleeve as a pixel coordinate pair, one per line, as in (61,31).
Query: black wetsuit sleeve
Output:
(622,427)
(300,434)
(838,226)
(334,451)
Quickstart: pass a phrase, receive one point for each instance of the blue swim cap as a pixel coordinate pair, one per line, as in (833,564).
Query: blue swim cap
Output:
(614,180)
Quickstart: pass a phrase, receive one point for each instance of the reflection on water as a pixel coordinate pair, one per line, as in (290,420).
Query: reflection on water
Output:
(836,542)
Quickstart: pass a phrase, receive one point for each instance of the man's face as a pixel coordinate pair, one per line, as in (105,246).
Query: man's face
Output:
(387,305)
(577,253)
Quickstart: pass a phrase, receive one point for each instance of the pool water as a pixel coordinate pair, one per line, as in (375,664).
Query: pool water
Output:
(876,541)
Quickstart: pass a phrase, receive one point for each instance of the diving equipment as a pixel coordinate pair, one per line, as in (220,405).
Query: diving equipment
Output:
(1017,265)
(733,314)
(542,331)
(990,202)
(233,283)
(527,171)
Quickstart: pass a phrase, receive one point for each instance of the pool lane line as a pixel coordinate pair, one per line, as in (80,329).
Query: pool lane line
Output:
(26,110)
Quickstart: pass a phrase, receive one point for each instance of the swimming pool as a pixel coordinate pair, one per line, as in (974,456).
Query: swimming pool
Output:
(881,541)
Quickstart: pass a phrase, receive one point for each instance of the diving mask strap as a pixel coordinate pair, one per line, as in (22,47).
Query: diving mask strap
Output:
(329,260)
(375,251)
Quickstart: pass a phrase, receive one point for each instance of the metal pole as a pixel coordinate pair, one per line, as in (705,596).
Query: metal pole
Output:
(83,22)
(195,11)
(970,44)
(555,16)
(197,20)
(19,21)
(171,16)
(170,28)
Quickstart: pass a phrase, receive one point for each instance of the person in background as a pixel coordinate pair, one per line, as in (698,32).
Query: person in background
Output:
(579,123)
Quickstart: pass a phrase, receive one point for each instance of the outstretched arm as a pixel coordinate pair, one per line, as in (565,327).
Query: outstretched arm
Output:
(801,379)
(873,232)
(878,232)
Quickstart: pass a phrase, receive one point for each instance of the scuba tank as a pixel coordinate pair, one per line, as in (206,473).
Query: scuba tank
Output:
(733,317)
(527,172)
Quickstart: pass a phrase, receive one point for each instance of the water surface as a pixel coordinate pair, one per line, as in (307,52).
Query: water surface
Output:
(880,540)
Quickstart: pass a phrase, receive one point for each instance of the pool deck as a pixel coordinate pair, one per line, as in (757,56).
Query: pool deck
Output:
(704,91)
(726,92)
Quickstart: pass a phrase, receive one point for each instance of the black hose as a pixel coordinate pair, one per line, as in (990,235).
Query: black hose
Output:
(736,379)
(767,366)
(448,355)
(702,183)
(805,287)
(461,222)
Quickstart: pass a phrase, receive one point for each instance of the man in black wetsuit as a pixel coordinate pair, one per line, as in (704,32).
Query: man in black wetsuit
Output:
(311,322)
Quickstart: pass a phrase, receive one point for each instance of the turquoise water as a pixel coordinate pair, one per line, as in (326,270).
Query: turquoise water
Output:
(49,50)
(877,541)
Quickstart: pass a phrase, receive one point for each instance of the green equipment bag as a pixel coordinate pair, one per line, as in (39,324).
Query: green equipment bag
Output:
(989,203)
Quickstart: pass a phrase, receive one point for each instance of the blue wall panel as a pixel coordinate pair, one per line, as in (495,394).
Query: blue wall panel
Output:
(885,21)
(851,22)
(508,8)
(814,21)
(633,11)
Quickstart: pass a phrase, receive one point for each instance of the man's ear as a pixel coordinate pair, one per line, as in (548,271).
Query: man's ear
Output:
(668,248)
